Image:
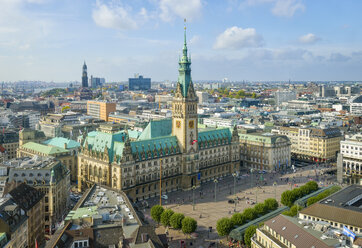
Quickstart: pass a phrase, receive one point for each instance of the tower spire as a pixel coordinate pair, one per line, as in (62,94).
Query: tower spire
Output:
(185,42)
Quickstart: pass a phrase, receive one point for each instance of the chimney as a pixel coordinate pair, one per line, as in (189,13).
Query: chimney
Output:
(65,145)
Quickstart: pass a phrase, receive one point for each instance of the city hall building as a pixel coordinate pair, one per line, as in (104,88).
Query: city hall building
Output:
(179,152)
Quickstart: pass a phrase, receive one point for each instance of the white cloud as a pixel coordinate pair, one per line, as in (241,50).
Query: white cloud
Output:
(194,40)
(287,8)
(284,8)
(309,38)
(114,16)
(237,38)
(188,9)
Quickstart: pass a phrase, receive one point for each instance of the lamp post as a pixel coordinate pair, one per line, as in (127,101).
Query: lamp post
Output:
(215,181)
(161,182)
(275,190)
(234,175)
(193,197)
(251,178)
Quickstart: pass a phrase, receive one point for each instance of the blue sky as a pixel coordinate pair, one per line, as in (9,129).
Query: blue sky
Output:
(235,39)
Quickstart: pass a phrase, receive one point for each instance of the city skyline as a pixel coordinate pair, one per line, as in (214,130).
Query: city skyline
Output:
(240,40)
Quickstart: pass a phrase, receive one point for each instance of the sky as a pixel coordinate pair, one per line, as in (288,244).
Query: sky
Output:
(255,40)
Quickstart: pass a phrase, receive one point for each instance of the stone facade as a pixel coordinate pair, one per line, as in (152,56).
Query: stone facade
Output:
(182,154)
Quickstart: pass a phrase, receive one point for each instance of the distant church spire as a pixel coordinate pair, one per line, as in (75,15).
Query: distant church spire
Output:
(184,77)
(84,76)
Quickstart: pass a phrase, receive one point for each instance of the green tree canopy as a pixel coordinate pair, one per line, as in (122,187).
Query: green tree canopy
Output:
(287,198)
(249,213)
(176,220)
(238,219)
(260,209)
(271,204)
(156,212)
(249,233)
(224,226)
(189,225)
(293,211)
(166,216)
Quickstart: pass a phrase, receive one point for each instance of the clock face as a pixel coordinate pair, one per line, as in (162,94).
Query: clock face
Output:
(191,124)
(178,124)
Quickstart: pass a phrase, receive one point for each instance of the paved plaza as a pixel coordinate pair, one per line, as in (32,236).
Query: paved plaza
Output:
(207,211)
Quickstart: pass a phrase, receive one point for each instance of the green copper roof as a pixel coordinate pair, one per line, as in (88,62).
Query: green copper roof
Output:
(133,134)
(184,77)
(98,141)
(266,138)
(48,150)
(60,141)
(206,137)
(157,128)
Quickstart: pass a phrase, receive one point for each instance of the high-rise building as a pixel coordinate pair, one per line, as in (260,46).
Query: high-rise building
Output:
(139,83)
(100,109)
(84,76)
(96,82)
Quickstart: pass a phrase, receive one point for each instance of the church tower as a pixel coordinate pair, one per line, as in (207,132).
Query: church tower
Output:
(184,120)
(84,76)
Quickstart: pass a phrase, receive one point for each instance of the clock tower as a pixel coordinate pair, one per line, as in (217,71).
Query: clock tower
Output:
(184,118)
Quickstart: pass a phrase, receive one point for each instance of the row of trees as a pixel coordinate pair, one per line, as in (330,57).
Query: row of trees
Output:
(225,92)
(178,221)
(323,195)
(293,210)
(225,225)
(290,196)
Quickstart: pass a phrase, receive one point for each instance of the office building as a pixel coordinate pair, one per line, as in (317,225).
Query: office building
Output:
(355,104)
(139,83)
(187,155)
(284,96)
(351,151)
(203,97)
(97,82)
(313,144)
(265,151)
(100,109)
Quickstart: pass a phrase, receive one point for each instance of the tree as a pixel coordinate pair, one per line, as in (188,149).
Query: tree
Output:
(166,216)
(271,204)
(189,225)
(260,209)
(249,214)
(238,219)
(312,185)
(176,220)
(253,95)
(293,211)
(156,212)
(287,198)
(249,233)
(224,226)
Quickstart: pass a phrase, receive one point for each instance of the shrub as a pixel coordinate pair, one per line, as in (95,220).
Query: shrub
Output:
(176,220)
(224,226)
(156,212)
(166,216)
(189,225)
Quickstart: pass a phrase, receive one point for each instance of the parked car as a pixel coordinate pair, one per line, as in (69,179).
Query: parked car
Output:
(165,197)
